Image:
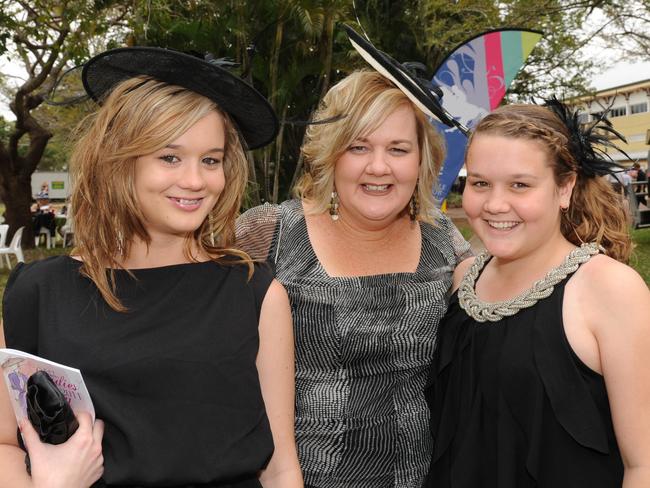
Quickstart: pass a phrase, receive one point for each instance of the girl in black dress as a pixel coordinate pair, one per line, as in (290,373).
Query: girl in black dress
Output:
(541,377)
(184,343)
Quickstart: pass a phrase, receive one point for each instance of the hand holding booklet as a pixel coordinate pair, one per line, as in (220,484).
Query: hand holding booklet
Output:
(18,366)
(42,397)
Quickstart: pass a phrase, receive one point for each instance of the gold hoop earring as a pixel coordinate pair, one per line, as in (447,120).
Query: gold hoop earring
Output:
(334,206)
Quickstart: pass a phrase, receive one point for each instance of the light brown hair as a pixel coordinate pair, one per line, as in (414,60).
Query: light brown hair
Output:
(364,100)
(140,116)
(595,212)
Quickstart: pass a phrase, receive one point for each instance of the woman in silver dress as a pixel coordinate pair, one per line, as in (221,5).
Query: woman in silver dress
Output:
(367,261)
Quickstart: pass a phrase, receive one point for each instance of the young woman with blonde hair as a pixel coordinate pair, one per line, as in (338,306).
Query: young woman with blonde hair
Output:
(184,343)
(542,378)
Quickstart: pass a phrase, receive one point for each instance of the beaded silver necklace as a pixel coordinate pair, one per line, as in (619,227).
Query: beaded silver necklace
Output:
(483,311)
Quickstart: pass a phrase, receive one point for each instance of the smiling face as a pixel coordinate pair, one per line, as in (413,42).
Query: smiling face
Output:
(511,198)
(376,175)
(178,185)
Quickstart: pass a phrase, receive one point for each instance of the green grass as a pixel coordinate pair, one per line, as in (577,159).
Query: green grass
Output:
(454,200)
(466,230)
(641,256)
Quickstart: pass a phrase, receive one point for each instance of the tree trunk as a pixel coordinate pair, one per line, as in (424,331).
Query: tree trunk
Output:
(16,170)
(253,189)
(16,192)
(327,46)
(273,95)
(278,157)
(296,172)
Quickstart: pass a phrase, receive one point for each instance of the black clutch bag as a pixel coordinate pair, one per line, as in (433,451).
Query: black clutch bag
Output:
(50,414)
(48,410)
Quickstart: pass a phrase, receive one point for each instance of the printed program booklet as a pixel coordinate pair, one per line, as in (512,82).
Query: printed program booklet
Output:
(18,366)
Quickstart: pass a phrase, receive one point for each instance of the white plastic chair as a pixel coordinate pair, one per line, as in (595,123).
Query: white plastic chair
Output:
(67,231)
(4,230)
(14,248)
(43,231)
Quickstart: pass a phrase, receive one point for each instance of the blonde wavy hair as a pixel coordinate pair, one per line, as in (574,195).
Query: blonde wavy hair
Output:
(140,116)
(595,212)
(364,100)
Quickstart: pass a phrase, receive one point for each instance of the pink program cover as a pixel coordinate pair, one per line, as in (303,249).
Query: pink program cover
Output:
(18,366)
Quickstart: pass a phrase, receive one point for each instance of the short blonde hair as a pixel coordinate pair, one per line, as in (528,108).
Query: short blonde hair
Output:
(140,116)
(363,100)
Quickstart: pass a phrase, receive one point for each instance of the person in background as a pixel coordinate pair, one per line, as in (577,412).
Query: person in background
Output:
(367,260)
(640,189)
(43,215)
(43,202)
(185,344)
(541,378)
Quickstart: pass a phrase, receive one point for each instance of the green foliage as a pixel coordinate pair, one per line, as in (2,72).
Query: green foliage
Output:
(454,200)
(7,26)
(555,65)
(6,127)
(292,51)
(44,37)
(62,121)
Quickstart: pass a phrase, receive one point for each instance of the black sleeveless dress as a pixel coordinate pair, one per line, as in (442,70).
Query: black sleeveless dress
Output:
(174,378)
(512,406)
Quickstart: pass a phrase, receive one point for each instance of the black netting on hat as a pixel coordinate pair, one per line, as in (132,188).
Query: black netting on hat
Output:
(249,110)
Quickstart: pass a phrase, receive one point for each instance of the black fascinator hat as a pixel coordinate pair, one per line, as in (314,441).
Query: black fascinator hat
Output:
(251,112)
(424,94)
(587,142)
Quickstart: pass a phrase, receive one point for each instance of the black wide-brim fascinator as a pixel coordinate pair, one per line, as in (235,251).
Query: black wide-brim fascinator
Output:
(424,94)
(251,112)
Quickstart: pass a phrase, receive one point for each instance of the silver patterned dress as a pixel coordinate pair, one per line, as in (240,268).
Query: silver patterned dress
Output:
(363,348)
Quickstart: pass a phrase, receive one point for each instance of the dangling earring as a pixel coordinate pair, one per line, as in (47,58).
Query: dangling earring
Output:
(414,205)
(120,243)
(334,206)
(211,226)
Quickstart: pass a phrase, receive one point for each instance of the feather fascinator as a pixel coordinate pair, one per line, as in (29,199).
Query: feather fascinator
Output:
(589,141)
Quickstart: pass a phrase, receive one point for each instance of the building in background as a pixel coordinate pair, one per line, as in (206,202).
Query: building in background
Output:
(58,183)
(629,112)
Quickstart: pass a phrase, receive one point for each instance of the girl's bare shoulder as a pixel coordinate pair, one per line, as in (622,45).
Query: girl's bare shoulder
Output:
(609,289)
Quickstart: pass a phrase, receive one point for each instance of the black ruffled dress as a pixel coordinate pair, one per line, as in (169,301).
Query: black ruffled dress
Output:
(512,406)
